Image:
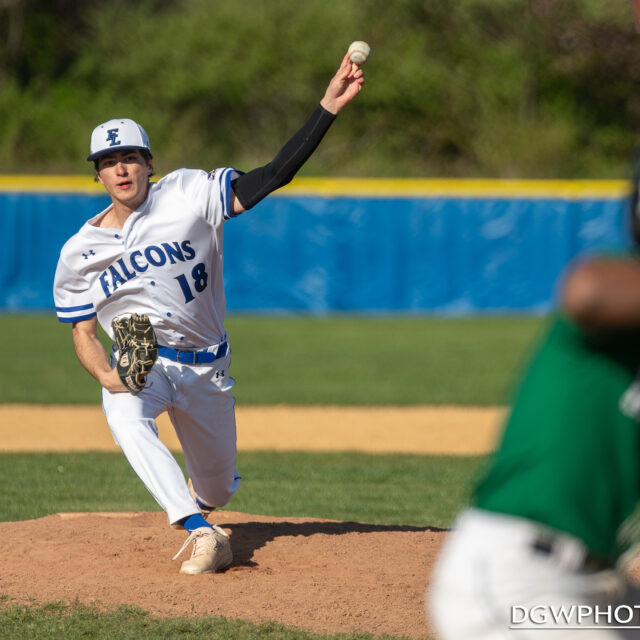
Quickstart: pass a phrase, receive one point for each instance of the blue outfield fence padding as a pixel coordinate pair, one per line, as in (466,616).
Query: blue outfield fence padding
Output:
(361,246)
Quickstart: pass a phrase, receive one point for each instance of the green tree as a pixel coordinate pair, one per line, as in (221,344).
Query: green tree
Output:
(494,88)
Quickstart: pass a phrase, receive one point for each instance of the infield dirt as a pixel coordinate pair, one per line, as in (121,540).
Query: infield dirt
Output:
(319,575)
(417,429)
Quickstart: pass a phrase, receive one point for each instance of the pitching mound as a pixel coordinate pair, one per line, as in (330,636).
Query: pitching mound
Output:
(319,575)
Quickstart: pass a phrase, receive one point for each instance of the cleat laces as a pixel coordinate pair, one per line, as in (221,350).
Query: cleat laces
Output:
(204,541)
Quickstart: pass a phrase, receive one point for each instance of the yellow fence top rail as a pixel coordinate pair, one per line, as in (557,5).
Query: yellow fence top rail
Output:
(369,187)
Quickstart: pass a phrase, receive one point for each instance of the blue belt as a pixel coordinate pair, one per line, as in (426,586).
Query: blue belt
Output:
(193,357)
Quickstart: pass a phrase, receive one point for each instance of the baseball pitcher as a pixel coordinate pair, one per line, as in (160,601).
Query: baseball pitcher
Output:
(148,269)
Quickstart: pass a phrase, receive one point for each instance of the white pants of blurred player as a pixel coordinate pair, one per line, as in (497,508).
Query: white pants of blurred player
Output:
(200,404)
(493,580)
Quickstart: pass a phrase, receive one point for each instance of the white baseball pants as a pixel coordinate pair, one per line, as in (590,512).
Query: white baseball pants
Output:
(490,582)
(200,404)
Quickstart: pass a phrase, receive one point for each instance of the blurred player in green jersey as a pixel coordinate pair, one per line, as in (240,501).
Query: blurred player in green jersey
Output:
(550,535)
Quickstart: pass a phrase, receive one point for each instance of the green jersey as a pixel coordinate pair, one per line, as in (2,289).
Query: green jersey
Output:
(570,452)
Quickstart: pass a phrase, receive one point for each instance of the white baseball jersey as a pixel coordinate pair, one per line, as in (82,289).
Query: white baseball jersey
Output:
(166,262)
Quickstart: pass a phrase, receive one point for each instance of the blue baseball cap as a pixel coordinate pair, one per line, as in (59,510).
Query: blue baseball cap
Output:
(119,134)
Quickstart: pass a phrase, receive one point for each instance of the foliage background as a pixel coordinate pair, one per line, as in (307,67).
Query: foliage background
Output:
(473,88)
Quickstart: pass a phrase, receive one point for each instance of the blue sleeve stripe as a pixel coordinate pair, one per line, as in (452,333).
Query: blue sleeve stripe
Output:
(77,318)
(223,178)
(79,308)
(228,213)
(225,186)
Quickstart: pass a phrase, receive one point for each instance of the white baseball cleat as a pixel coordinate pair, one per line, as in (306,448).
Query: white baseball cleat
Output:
(211,551)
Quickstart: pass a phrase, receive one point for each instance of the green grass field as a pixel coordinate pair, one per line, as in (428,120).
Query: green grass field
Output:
(377,489)
(57,621)
(304,360)
(296,360)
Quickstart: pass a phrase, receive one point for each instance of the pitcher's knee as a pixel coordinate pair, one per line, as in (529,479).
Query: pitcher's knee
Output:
(216,492)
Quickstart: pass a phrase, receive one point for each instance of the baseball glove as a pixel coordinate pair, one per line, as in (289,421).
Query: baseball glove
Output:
(138,347)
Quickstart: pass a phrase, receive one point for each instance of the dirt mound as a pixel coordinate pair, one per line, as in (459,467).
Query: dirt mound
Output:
(320,575)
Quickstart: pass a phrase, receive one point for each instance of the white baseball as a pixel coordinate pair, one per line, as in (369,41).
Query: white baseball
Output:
(359,52)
